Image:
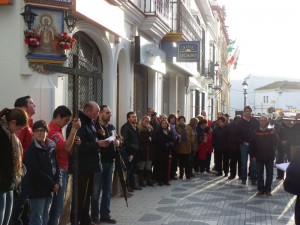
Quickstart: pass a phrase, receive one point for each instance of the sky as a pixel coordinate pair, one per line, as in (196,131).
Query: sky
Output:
(268,35)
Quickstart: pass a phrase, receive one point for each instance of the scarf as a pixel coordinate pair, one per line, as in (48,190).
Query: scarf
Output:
(19,169)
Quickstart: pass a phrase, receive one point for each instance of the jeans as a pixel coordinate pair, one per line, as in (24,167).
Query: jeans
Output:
(58,200)
(40,210)
(244,162)
(6,204)
(261,185)
(20,201)
(102,182)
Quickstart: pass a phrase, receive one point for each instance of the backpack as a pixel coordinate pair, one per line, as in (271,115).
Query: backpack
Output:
(291,183)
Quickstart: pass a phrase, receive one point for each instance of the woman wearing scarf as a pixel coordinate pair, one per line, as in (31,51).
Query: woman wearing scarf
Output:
(187,137)
(11,121)
(43,172)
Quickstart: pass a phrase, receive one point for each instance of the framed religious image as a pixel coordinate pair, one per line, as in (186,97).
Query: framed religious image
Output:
(47,24)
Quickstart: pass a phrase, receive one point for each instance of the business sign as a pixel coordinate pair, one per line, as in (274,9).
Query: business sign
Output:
(6,2)
(148,54)
(188,51)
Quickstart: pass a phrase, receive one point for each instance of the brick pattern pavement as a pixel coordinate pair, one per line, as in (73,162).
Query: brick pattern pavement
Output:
(205,200)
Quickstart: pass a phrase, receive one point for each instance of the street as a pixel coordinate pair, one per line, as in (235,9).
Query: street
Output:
(205,200)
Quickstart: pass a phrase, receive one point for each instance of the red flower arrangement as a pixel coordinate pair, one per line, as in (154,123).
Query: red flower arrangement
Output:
(32,39)
(65,41)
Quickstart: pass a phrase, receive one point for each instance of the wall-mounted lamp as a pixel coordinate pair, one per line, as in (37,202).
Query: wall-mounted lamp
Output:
(212,68)
(70,20)
(28,16)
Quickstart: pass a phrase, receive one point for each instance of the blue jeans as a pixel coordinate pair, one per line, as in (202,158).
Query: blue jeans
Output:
(102,182)
(58,200)
(6,204)
(260,166)
(40,208)
(244,159)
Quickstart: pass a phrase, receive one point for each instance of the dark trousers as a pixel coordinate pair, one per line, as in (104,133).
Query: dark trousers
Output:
(174,164)
(207,162)
(282,153)
(261,184)
(132,169)
(21,204)
(196,162)
(184,166)
(85,189)
(162,171)
(202,164)
(235,161)
(222,162)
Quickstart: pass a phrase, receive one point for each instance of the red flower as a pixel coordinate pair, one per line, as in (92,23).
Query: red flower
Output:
(65,41)
(31,38)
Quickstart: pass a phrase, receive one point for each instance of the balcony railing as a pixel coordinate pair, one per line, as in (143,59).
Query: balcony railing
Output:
(183,22)
(158,8)
(51,2)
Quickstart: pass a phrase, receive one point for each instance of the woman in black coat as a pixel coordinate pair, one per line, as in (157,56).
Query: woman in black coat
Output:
(11,120)
(165,143)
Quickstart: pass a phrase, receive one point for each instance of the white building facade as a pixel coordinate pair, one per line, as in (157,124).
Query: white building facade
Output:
(117,58)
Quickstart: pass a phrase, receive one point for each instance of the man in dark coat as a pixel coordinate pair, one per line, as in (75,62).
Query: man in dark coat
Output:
(262,151)
(234,147)
(247,126)
(130,134)
(89,161)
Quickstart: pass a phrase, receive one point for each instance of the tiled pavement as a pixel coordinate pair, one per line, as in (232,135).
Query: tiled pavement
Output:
(205,200)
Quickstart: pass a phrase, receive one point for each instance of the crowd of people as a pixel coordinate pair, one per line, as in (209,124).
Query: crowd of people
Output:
(36,158)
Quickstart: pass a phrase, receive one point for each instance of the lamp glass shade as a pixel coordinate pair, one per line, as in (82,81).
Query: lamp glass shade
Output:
(245,85)
(28,16)
(70,21)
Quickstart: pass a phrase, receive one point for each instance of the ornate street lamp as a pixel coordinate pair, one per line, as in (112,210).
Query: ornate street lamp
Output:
(70,20)
(28,16)
(245,87)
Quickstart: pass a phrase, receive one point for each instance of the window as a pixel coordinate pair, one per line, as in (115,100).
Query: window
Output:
(266,99)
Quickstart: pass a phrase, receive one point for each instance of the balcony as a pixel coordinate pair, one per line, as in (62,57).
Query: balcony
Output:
(52,3)
(183,24)
(157,13)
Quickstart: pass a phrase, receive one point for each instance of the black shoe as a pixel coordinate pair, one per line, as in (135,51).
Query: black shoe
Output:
(219,174)
(268,193)
(108,220)
(243,182)
(173,178)
(160,183)
(254,182)
(166,183)
(129,189)
(231,177)
(226,175)
(259,193)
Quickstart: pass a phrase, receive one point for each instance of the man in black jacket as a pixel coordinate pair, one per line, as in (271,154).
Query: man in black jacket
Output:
(103,180)
(262,151)
(88,160)
(129,132)
(247,126)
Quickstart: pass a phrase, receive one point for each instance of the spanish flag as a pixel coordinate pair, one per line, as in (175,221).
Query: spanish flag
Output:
(233,57)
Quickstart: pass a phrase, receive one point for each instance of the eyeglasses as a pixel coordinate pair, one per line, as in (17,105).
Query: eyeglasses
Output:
(40,131)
